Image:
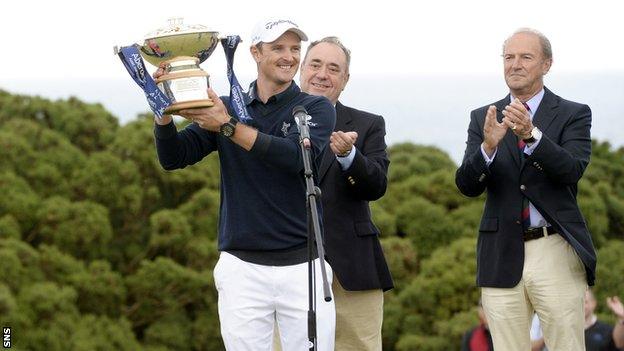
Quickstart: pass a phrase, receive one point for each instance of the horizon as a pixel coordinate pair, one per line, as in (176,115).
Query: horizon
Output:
(420,100)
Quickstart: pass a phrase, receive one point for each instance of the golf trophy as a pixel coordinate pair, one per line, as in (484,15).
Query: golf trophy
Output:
(179,49)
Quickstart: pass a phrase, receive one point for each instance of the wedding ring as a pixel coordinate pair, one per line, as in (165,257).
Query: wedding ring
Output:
(513,127)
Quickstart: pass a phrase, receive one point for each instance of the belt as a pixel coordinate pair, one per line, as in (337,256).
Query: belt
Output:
(539,232)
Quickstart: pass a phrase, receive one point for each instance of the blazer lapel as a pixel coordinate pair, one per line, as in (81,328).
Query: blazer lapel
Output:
(343,121)
(547,111)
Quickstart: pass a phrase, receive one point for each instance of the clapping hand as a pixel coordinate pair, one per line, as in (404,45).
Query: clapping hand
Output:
(616,307)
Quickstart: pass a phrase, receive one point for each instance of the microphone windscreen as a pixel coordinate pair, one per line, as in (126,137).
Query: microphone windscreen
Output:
(299,109)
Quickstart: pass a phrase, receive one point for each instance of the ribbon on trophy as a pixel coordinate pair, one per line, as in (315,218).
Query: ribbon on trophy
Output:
(133,62)
(237,96)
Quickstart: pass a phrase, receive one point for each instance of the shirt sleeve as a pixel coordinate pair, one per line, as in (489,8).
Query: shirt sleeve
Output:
(178,149)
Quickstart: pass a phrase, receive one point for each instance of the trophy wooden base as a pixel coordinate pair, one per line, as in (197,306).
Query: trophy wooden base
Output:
(188,105)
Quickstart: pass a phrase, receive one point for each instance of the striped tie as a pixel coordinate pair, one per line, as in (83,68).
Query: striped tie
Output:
(526,213)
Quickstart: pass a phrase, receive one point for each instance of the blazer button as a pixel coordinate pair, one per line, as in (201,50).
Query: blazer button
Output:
(522,187)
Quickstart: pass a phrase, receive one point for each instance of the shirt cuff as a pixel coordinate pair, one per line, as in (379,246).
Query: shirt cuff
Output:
(165,131)
(488,159)
(345,162)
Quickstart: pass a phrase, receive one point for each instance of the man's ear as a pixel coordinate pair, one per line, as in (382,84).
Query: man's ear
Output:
(255,53)
(546,66)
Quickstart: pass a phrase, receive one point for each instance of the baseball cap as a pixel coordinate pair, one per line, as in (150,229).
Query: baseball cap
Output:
(269,30)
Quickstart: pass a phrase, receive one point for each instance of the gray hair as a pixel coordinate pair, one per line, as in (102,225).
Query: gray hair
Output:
(544,42)
(331,40)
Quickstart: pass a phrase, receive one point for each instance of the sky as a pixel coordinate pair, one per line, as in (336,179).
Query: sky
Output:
(414,62)
(68,39)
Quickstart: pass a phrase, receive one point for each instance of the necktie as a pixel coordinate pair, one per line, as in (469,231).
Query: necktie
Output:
(526,214)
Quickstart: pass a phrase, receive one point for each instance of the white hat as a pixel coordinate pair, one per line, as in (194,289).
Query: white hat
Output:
(268,31)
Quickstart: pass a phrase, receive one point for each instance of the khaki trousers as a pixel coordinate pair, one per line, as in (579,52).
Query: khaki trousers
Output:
(359,316)
(553,285)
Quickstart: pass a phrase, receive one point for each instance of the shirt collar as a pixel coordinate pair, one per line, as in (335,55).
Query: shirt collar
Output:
(533,102)
(292,90)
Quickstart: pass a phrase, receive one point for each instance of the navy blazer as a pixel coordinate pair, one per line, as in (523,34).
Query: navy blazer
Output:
(351,239)
(548,177)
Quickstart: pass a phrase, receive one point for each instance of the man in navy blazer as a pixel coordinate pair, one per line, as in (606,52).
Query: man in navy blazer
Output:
(527,152)
(352,173)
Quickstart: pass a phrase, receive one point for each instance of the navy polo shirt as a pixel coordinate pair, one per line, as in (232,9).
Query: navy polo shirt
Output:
(263,199)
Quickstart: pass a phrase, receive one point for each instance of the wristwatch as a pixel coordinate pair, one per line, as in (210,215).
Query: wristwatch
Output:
(534,136)
(228,128)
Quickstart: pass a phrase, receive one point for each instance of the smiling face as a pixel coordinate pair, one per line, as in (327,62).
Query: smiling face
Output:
(278,61)
(324,71)
(525,65)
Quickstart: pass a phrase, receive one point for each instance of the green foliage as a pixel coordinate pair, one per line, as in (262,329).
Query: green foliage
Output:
(426,224)
(162,287)
(401,258)
(79,228)
(21,263)
(444,288)
(594,209)
(103,250)
(408,159)
(111,182)
(170,232)
(203,208)
(18,199)
(173,331)
(89,126)
(384,220)
(42,156)
(609,273)
(103,334)
(9,227)
(100,290)
(8,305)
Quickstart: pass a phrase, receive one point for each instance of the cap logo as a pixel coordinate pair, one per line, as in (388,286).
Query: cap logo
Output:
(272,24)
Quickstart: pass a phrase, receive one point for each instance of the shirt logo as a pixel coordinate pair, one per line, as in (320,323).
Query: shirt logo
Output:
(285,127)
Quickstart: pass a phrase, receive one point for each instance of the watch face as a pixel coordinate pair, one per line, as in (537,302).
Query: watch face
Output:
(227,130)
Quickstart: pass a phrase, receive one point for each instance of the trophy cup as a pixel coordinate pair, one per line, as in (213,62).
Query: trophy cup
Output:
(182,48)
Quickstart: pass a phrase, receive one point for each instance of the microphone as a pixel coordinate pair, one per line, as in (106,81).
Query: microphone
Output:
(301,119)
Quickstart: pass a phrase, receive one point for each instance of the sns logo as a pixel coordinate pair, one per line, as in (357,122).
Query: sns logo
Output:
(6,337)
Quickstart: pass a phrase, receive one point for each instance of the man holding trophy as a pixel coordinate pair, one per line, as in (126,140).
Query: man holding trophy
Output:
(261,275)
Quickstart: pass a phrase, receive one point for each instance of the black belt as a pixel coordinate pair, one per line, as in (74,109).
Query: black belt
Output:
(539,232)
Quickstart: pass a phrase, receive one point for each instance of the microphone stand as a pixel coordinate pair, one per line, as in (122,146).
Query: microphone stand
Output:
(312,193)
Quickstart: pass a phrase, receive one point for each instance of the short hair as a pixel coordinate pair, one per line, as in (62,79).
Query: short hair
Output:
(544,42)
(331,40)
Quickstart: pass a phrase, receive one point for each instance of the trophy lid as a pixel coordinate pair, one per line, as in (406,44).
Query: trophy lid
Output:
(176,27)
(179,39)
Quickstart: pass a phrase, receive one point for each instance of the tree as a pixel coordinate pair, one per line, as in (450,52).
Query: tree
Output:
(102,249)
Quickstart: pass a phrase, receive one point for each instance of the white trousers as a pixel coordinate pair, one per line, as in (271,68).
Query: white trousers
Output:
(252,297)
